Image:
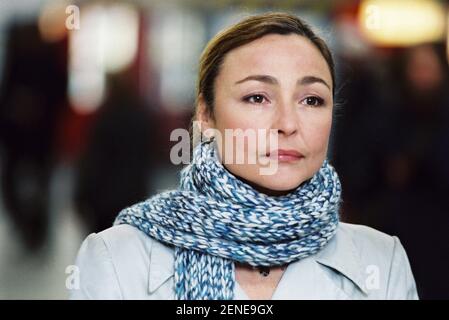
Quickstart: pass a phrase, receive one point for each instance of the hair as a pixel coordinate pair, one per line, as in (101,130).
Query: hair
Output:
(241,33)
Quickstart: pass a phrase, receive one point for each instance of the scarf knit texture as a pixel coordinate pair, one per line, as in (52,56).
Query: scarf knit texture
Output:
(213,219)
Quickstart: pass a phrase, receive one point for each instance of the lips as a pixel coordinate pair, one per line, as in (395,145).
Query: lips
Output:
(285,155)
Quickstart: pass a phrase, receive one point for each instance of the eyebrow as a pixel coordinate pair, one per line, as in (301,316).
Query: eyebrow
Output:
(272,80)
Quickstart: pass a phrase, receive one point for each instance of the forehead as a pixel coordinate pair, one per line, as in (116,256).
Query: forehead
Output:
(292,55)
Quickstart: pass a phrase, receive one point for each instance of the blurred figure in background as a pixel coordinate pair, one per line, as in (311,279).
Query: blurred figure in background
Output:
(33,94)
(416,165)
(361,134)
(116,167)
(392,148)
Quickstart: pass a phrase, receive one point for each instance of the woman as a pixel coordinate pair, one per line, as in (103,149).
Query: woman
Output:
(231,232)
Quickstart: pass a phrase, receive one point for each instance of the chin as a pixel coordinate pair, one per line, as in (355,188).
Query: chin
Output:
(280,186)
(282,182)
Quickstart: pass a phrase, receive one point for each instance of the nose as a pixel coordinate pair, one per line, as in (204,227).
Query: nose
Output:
(286,120)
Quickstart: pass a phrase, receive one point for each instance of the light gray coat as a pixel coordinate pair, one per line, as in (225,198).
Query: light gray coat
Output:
(358,263)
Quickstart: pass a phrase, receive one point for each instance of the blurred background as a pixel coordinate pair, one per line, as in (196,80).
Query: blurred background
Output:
(90,91)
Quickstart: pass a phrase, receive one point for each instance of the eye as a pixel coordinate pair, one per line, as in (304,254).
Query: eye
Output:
(313,101)
(255,98)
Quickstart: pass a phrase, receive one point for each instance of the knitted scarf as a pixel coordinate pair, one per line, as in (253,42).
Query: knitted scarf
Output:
(214,219)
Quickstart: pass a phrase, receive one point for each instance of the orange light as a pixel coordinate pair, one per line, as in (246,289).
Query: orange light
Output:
(402,22)
(51,21)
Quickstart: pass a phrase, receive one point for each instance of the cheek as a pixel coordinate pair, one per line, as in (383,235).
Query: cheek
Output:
(242,126)
(235,122)
(237,117)
(316,134)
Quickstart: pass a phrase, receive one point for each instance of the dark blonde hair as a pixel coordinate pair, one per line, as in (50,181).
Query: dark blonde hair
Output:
(241,33)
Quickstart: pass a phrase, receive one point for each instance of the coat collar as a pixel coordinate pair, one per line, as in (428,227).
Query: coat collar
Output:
(340,254)
(161,265)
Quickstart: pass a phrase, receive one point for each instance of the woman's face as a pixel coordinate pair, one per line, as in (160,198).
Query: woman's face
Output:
(280,83)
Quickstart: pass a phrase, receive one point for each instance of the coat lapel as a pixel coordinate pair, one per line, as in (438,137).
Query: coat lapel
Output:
(304,279)
(161,265)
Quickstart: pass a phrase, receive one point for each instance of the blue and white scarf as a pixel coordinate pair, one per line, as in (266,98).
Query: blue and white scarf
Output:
(214,219)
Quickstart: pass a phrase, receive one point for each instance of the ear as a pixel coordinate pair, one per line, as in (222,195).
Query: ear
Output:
(204,116)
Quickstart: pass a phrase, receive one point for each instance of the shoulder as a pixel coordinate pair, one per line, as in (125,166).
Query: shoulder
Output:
(121,242)
(372,247)
(115,264)
(375,261)
(367,239)
(125,238)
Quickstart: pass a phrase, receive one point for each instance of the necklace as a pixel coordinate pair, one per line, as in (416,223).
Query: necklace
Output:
(265,271)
